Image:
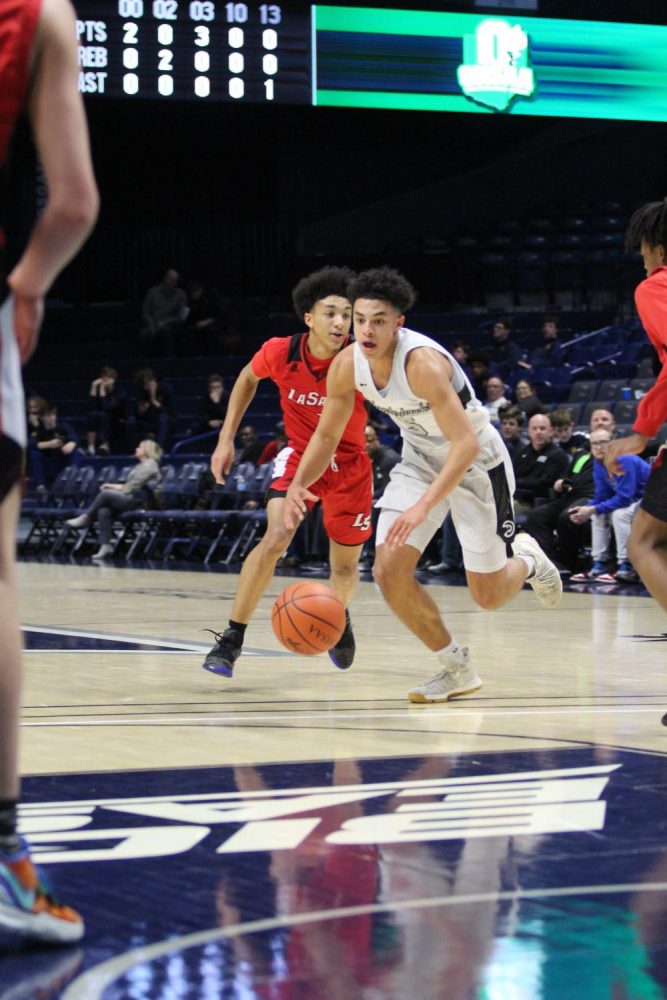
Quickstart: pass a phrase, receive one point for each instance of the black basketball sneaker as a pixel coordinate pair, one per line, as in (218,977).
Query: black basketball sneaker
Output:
(222,657)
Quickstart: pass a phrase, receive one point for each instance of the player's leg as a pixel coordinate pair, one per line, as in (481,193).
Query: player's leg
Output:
(344,564)
(647,549)
(256,574)
(347,499)
(26,907)
(411,602)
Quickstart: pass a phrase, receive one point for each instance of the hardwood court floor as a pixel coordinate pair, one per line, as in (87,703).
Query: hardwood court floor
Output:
(327,896)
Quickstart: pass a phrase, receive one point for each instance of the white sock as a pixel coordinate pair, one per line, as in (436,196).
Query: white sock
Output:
(530,563)
(451,655)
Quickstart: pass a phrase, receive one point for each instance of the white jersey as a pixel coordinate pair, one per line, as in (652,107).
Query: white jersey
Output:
(412,413)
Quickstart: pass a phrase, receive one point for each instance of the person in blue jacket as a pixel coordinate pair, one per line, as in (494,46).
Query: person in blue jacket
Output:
(614,506)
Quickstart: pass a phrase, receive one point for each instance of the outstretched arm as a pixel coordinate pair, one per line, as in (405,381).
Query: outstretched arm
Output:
(61,134)
(240,399)
(322,446)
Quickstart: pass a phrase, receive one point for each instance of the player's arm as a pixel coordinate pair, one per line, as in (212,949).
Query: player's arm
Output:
(240,399)
(429,375)
(61,135)
(336,413)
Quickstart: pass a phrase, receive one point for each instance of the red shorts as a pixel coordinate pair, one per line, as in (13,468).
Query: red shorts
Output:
(346,492)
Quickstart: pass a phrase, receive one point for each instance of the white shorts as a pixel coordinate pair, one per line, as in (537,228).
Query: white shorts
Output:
(12,404)
(481,504)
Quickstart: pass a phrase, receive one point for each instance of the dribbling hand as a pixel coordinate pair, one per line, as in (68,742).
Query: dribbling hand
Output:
(296,508)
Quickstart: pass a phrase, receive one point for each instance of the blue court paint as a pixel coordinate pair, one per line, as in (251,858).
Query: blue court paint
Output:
(495,846)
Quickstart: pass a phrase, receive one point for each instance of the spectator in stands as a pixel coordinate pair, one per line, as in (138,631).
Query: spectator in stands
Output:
(383,459)
(274,446)
(479,368)
(105,430)
(603,419)
(495,397)
(461,351)
(249,446)
(213,407)
(550,351)
(616,499)
(164,311)
(504,355)
(116,498)
(527,399)
(538,465)
(35,407)
(202,324)
(154,414)
(565,436)
(561,538)
(511,428)
(52,449)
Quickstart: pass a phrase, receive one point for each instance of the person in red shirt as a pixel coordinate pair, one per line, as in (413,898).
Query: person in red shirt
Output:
(299,365)
(647,546)
(38,73)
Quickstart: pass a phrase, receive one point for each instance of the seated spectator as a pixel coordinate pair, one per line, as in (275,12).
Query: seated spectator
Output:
(115,498)
(35,407)
(613,506)
(52,449)
(461,352)
(603,420)
(495,397)
(479,368)
(383,460)
(451,553)
(565,436)
(249,446)
(213,408)
(561,538)
(105,429)
(164,312)
(550,351)
(527,399)
(153,408)
(504,354)
(511,428)
(275,445)
(202,324)
(538,465)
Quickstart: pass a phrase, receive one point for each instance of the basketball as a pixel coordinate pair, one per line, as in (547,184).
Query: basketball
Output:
(308,618)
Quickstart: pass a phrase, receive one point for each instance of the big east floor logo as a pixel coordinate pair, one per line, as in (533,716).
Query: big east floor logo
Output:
(530,802)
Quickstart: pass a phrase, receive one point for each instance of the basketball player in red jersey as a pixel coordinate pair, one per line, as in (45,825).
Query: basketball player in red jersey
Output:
(38,73)
(298,365)
(647,545)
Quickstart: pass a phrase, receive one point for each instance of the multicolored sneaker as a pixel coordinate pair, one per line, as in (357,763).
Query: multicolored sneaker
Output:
(27,907)
(342,655)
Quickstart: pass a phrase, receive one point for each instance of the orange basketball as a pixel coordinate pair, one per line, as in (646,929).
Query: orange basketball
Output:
(308,618)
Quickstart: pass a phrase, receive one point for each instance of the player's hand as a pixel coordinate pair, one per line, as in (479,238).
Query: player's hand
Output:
(404,525)
(221,461)
(28,315)
(632,445)
(296,507)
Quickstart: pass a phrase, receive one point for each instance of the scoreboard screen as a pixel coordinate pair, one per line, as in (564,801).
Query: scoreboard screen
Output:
(195,49)
(297,53)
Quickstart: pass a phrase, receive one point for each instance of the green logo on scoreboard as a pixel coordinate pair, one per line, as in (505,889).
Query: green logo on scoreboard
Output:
(496,66)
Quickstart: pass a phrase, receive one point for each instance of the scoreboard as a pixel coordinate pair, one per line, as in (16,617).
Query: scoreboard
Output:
(320,54)
(195,49)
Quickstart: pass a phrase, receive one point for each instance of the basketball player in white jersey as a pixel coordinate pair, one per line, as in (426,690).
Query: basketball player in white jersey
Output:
(452,459)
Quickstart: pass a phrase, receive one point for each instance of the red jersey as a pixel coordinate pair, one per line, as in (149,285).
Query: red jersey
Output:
(18,23)
(302,381)
(651,301)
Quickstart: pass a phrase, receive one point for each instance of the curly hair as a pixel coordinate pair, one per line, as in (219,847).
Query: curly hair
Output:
(318,285)
(385,284)
(648,223)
